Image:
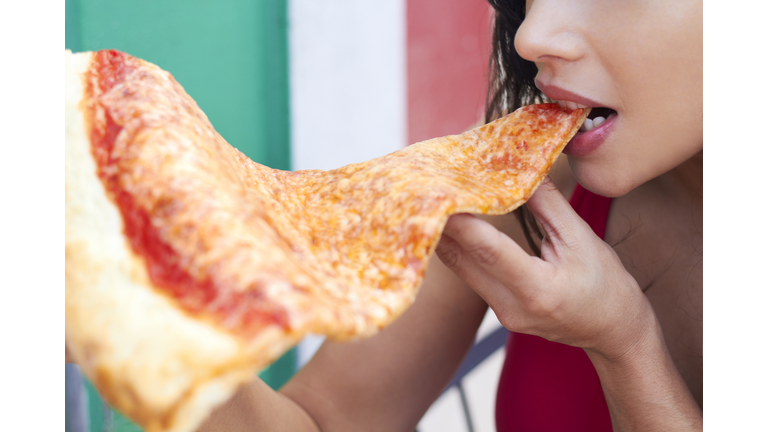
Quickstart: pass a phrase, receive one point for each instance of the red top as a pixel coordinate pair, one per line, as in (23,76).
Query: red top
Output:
(548,386)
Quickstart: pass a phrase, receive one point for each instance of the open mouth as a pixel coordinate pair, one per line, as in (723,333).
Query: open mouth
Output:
(593,131)
(596,118)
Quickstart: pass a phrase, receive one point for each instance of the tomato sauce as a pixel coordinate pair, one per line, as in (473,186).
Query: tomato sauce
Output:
(245,311)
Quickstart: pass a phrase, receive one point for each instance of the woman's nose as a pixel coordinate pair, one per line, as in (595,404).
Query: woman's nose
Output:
(549,33)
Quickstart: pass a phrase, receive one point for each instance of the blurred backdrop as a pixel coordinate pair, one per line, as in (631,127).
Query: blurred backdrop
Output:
(303,84)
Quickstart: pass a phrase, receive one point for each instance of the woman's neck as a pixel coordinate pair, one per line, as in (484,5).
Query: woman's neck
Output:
(690,174)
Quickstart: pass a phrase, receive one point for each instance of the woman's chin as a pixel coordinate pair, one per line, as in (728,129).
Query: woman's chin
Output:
(608,182)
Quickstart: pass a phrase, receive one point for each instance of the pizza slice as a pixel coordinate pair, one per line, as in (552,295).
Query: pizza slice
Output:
(189,266)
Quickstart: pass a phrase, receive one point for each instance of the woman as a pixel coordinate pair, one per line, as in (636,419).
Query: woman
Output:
(633,310)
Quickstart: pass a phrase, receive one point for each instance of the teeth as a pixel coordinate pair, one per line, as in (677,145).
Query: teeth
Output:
(590,124)
(571,105)
(598,121)
(562,104)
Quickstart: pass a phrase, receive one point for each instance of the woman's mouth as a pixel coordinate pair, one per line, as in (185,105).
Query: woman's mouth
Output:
(597,117)
(593,131)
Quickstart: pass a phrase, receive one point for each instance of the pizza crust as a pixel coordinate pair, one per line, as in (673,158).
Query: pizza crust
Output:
(339,252)
(172,380)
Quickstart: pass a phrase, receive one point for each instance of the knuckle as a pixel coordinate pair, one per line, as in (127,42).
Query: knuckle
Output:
(484,254)
(542,304)
(509,323)
(512,320)
(448,254)
(508,315)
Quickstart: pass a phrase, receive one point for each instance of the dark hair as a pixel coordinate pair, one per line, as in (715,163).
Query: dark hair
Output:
(511,85)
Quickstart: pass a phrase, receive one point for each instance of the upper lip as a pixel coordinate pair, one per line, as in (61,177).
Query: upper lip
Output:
(556,93)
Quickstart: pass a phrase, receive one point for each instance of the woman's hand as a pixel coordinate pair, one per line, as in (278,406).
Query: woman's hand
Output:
(577,293)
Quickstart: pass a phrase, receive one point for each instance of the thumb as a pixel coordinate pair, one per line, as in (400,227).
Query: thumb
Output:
(562,226)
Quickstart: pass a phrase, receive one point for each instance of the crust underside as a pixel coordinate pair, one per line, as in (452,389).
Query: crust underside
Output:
(173,379)
(167,368)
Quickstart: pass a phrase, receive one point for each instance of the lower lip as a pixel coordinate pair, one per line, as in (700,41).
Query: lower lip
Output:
(584,143)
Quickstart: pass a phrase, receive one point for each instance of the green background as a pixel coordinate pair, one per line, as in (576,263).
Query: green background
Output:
(232,57)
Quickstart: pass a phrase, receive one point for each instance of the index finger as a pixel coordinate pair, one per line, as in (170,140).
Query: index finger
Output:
(561,223)
(493,251)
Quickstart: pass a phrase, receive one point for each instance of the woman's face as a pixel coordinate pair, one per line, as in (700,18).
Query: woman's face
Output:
(641,59)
